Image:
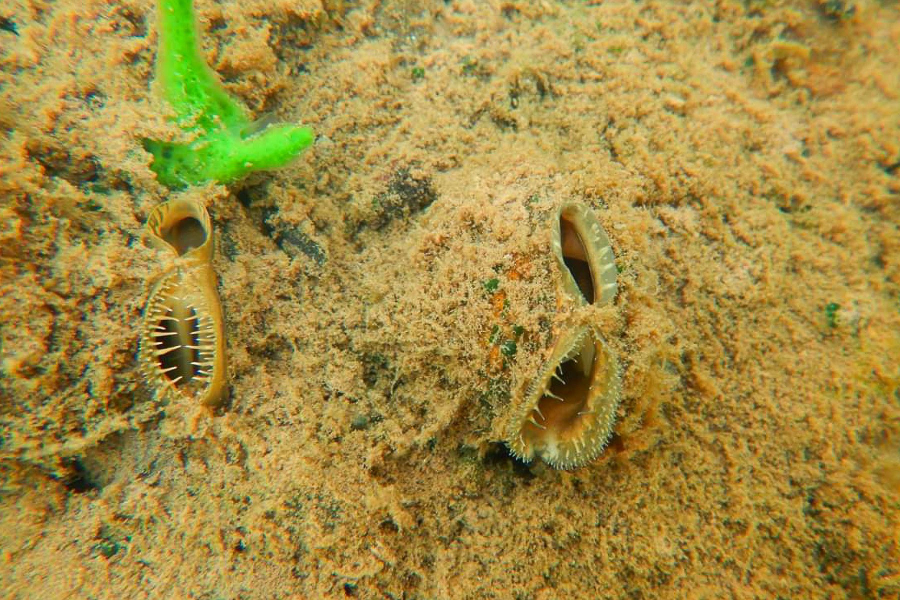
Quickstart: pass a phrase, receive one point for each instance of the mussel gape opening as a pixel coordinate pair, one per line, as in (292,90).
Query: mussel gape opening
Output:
(575,258)
(185,234)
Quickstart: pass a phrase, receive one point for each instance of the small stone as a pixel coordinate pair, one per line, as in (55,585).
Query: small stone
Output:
(359,422)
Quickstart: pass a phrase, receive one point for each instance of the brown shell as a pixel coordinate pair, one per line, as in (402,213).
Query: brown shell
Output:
(584,256)
(566,415)
(183,227)
(182,346)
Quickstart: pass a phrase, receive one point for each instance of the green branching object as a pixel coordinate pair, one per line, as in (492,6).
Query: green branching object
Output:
(225,144)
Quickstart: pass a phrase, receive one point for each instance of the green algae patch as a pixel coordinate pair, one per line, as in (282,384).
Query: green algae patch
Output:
(225,144)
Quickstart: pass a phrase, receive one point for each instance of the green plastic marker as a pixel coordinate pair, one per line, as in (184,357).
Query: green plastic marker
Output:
(225,146)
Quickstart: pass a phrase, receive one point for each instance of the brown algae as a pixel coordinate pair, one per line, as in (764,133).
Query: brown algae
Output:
(182,349)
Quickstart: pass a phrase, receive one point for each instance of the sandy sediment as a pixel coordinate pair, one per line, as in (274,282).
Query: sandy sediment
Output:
(742,156)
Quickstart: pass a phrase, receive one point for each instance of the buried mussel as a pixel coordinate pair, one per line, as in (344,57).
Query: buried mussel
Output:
(182,342)
(565,415)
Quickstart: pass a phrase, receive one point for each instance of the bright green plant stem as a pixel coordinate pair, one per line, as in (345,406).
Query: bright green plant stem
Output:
(224,145)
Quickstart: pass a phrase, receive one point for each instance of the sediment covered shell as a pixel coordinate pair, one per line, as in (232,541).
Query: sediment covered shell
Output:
(472,310)
(565,416)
